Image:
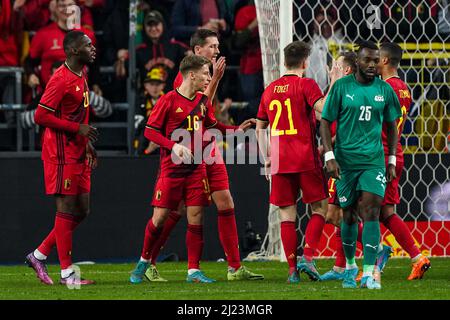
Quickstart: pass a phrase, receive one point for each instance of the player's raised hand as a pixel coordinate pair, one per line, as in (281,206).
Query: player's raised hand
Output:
(183,153)
(336,72)
(333,169)
(88,131)
(91,156)
(219,67)
(391,175)
(247,124)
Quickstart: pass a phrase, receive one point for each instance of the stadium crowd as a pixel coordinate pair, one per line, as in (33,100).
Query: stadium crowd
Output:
(31,34)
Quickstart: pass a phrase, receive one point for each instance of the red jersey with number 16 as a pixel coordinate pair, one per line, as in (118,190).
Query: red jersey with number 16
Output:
(67,96)
(174,111)
(287,104)
(404,97)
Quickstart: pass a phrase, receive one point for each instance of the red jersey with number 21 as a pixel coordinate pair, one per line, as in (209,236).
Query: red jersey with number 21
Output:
(287,103)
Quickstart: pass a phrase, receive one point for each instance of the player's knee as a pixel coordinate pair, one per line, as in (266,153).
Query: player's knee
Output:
(182,210)
(350,219)
(223,200)
(386,212)
(333,217)
(158,222)
(195,216)
(159,217)
(66,206)
(320,207)
(370,212)
(350,216)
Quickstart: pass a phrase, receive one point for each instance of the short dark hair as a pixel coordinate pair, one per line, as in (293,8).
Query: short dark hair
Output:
(365,44)
(295,53)
(71,39)
(193,63)
(393,51)
(200,36)
(349,59)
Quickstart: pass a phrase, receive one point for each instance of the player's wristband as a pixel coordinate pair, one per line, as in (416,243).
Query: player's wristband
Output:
(329,156)
(392,160)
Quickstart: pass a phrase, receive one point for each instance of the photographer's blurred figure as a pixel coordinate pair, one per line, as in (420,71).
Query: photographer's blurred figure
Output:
(153,89)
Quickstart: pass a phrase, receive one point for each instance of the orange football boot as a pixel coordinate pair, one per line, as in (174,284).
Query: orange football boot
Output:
(419,268)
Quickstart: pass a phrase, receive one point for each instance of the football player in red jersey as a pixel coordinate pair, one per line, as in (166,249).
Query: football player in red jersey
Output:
(205,43)
(67,154)
(47,45)
(288,104)
(187,109)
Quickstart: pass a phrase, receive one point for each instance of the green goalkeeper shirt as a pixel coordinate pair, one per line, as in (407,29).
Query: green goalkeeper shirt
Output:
(359,110)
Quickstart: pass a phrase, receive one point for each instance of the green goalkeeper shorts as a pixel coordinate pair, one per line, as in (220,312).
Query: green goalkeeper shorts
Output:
(352,182)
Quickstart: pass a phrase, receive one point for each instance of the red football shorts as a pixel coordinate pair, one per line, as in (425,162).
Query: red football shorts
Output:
(391,195)
(286,187)
(192,189)
(68,179)
(217,177)
(332,199)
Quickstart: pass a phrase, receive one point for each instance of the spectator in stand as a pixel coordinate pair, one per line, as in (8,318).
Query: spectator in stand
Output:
(444,19)
(157,50)
(411,20)
(326,29)
(94,6)
(115,47)
(246,40)
(38,13)
(190,15)
(10,45)
(47,47)
(153,89)
(10,35)
(360,22)
(163,6)
(116,32)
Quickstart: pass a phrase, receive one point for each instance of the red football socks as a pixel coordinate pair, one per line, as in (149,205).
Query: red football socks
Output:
(226,223)
(63,233)
(170,223)
(50,241)
(313,233)
(194,244)
(289,239)
(402,234)
(150,238)
(340,255)
(47,245)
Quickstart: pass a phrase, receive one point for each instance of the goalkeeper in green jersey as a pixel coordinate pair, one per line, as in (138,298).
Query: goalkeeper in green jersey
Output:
(360,103)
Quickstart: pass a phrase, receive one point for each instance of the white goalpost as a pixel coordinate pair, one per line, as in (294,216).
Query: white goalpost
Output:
(276,35)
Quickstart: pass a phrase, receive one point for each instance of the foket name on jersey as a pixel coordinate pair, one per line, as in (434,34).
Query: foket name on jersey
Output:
(281,89)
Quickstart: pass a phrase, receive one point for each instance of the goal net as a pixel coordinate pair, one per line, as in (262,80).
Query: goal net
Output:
(422,29)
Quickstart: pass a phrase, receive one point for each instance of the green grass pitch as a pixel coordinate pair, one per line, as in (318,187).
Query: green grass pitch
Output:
(19,282)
